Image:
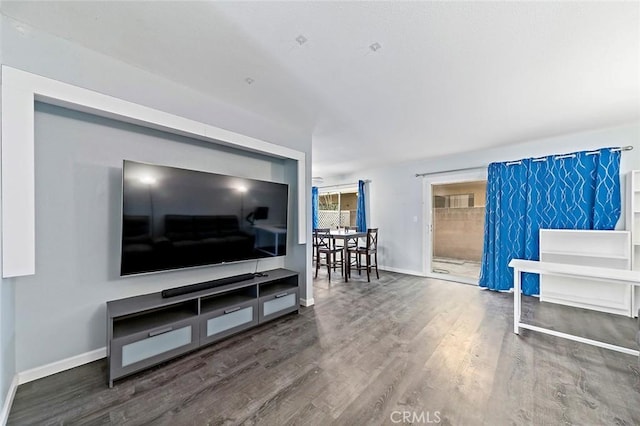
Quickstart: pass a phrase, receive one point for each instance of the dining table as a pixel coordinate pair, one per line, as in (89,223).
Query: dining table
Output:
(345,236)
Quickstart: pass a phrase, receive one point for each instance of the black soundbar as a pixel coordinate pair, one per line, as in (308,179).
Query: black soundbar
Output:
(177,291)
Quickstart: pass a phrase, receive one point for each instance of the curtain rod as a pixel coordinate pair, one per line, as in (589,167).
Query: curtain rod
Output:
(450,171)
(343,184)
(511,163)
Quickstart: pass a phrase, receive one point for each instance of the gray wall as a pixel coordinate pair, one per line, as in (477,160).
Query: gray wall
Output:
(78,186)
(69,289)
(7,316)
(396,195)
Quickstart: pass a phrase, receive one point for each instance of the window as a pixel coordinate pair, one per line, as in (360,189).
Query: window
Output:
(337,208)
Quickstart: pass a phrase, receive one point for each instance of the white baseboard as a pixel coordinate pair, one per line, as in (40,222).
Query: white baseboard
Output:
(307,302)
(44,371)
(62,365)
(8,401)
(401,271)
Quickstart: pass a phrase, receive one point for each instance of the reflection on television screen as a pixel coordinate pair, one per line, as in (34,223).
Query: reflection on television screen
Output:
(175,218)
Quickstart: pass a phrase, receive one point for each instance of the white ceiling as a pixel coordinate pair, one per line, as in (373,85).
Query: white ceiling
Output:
(450,76)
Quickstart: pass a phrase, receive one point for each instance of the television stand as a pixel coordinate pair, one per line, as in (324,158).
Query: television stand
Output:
(146,330)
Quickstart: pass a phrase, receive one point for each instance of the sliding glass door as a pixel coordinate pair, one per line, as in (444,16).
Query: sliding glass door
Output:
(455,217)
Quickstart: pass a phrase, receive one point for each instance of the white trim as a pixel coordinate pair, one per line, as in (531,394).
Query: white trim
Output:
(62,365)
(309,279)
(18,195)
(8,401)
(401,271)
(19,91)
(307,302)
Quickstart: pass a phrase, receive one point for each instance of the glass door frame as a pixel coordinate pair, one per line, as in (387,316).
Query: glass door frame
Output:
(428,181)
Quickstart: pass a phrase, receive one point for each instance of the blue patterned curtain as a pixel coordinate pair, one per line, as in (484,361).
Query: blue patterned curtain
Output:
(608,204)
(314,207)
(576,191)
(361,216)
(504,223)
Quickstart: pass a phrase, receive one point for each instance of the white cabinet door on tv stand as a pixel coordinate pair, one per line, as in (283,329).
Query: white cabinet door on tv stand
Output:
(606,249)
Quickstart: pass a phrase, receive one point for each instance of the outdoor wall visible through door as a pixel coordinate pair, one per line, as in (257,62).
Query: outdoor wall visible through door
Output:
(458,227)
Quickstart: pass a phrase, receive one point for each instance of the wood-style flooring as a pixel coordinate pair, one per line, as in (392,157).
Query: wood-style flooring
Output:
(400,349)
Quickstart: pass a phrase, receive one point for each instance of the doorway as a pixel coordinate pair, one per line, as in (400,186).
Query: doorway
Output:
(455,216)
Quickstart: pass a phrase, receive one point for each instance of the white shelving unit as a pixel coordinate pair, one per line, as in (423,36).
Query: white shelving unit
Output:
(604,249)
(633,226)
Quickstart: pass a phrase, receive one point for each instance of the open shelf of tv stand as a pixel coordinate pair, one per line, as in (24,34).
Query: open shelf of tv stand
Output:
(146,330)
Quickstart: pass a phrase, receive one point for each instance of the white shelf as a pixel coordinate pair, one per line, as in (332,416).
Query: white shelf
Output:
(587,255)
(583,232)
(596,249)
(632,204)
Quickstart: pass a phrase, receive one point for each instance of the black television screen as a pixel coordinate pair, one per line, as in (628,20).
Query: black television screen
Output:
(175,218)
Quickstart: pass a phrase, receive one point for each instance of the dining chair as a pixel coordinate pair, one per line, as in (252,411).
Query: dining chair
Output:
(370,249)
(314,245)
(351,242)
(325,245)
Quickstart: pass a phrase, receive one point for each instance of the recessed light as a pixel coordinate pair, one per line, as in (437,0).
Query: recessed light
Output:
(301,39)
(375,46)
(249,80)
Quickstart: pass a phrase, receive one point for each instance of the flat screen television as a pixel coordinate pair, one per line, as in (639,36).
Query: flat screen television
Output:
(176,218)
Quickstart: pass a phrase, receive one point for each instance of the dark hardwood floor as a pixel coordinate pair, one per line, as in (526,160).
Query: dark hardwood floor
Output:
(398,348)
